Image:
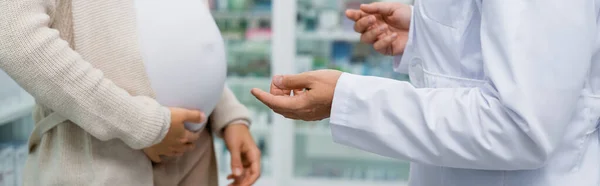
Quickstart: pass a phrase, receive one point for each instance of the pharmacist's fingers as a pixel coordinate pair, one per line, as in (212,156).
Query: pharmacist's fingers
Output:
(384,46)
(383,8)
(371,35)
(364,23)
(278,91)
(287,106)
(355,15)
(275,102)
(298,92)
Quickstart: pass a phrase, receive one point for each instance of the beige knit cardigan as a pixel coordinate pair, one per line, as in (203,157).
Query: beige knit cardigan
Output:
(80,59)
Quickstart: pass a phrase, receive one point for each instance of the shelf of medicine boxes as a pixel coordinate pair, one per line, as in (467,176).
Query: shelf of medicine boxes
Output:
(260,113)
(333,35)
(329,182)
(220,14)
(16,108)
(320,143)
(244,25)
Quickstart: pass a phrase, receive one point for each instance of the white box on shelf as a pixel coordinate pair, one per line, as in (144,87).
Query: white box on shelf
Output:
(7,165)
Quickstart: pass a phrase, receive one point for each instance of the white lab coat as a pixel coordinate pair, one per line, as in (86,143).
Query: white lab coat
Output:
(502,93)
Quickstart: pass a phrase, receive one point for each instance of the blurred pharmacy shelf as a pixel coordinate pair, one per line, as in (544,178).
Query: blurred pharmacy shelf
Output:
(338,35)
(318,143)
(219,14)
(319,138)
(325,38)
(330,182)
(246,28)
(15,103)
(15,108)
(262,181)
(16,123)
(261,129)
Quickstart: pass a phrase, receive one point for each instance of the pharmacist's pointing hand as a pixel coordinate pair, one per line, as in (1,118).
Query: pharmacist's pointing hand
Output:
(314,103)
(385,25)
(178,139)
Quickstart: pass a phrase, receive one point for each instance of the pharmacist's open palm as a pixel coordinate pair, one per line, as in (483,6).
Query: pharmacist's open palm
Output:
(385,25)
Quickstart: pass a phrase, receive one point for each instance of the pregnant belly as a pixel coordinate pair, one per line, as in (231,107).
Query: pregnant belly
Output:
(187,85)
(184,54)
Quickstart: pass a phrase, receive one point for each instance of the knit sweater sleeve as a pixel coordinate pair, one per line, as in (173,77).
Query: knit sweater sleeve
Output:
(59,78)
(229,110)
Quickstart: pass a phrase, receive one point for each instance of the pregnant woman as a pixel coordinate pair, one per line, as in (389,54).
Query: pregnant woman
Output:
(95,68)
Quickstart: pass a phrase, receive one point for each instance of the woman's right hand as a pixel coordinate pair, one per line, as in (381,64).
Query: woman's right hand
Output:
(178,140)
(384,25)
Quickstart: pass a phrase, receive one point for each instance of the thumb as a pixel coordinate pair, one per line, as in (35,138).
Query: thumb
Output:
(383,8)
(194,116)
(236,161)
(298,81)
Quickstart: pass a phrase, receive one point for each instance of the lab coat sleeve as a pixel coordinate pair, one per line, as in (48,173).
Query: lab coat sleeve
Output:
(43,64)
(401,64)
(536,56)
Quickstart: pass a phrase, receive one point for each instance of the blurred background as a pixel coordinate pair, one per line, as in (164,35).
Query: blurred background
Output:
(263,38)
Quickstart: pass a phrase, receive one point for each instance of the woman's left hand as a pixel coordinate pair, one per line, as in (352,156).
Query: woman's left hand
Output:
(245,155)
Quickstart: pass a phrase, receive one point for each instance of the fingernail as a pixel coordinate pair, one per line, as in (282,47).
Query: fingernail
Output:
(382,28)
(277,80)
(394,35)
(237,172)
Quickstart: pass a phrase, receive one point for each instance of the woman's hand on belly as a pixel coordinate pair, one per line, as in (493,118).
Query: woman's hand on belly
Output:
(178,139)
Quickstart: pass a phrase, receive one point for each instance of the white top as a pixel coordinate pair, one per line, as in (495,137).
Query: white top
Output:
(183,52)
(501,93)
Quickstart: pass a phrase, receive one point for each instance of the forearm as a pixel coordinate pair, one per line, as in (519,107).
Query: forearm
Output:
(462,128)
(59,78)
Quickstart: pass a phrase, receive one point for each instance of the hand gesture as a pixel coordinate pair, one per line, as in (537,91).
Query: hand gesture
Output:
(313,94)
(245,155)
(385,25)
(178,140)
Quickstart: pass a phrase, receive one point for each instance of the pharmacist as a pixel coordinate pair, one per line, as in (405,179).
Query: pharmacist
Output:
(502,92)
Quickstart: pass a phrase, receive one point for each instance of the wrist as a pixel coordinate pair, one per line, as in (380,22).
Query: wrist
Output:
(236,125)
